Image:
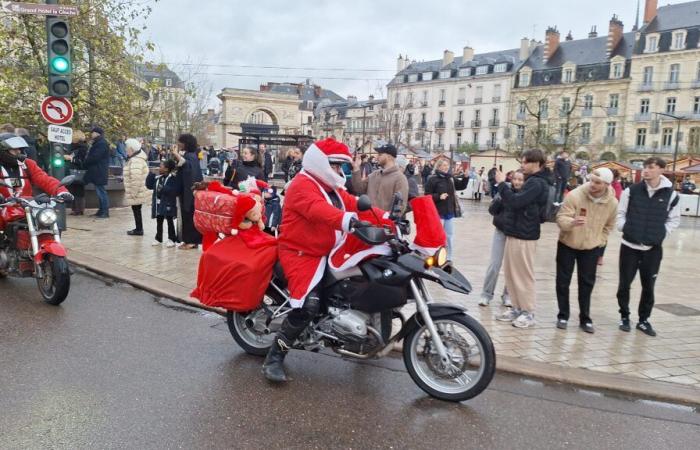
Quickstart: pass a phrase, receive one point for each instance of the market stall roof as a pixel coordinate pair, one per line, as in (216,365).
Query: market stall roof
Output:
(273,139)
(620,166)
(691,169)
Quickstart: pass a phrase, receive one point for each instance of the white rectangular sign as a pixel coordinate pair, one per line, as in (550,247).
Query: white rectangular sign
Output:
(59,134)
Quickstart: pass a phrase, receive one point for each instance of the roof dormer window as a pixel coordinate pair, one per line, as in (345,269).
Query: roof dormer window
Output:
(501,67)
(412,78)
(444,74)
(427,76)
(617,68)
(679,40)
(168,82)
(652,43)
(482,70)
(465,72)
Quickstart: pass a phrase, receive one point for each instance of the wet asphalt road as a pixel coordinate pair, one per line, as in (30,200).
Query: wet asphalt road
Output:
(114,367)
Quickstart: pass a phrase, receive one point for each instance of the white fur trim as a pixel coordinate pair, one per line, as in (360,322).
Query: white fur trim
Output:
(352,261)
(346,220)
(318,276)
(316,163)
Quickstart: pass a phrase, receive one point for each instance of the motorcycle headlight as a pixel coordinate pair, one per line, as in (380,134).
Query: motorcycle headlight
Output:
(441,257)
(46,218)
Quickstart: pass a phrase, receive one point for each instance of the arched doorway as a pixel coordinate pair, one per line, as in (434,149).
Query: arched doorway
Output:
(608,156)
(261,116)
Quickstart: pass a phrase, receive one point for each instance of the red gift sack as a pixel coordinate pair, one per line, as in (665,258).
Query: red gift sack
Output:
(214,211)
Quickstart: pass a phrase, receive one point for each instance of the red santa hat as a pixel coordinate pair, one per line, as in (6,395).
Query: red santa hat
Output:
(318,157)
(430,235)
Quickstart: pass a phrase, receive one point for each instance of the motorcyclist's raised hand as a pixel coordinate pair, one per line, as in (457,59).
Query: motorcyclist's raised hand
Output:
(65,196)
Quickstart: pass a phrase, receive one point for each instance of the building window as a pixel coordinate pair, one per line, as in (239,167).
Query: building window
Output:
(477,115)
(397,99)
(614,101)
(696,105)
(461,94)
(565,105)
(459,139)
(520,133)
(586,132)
(482,70)
(644,106)
(475,137)
(652,44)
(441,116)
(611,129)
(697,72)
(465,72)
(617,70)
(641,137)
(543,107)
(409,98)
(409,118)
(501,67)
(588,102)
(444,74)
(427,76)
(562,130)
(496,92)
(674,73)
(460,116)
(694,139)
(670,105)
(524,80)
(568,75)
(439,143)
(442,95)
(425,98)
(413,78)
(423,118)
(679,40)
(648,76)
(667,137)
(494,138)
(522,107)
(479,94)
(168,82)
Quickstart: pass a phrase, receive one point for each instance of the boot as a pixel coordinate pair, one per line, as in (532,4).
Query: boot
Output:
(273,367)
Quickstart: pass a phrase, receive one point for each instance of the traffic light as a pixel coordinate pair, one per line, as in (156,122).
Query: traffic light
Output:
(58,162)
(59,60)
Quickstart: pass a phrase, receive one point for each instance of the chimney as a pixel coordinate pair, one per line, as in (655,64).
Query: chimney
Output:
(400,64)
(371,98)
(551,43)
(593,33)
(614,35)
(447,58)
(650,10)
(524,49)
(467,54)
(569,37)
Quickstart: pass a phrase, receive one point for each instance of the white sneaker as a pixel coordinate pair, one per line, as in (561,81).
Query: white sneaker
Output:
(525,320)
(484,301)
(508,316)
(156,243)
(170,244)
(506,301)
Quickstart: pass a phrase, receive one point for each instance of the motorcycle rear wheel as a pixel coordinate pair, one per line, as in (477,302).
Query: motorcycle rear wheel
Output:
(256,339)
(466,377)
(55,283)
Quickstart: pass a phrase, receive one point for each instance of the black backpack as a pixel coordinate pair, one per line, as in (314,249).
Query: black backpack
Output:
(548,211)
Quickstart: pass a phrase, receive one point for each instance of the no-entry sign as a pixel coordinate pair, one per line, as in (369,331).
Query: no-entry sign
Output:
(56,110)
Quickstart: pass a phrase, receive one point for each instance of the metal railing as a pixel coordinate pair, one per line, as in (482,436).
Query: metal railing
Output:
(645,87)
(459,124)
(609,140)
(494,123)
(476,123)
(612,111)
(440,124)
(642,117)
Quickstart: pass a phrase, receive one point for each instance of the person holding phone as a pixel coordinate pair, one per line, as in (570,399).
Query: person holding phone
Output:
(585,220)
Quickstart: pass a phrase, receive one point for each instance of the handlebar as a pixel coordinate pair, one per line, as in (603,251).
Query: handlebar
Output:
(26,201)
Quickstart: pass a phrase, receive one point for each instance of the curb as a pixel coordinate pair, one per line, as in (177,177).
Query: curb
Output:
(617,383)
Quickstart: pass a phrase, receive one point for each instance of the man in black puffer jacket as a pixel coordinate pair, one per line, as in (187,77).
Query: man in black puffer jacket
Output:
(522,230)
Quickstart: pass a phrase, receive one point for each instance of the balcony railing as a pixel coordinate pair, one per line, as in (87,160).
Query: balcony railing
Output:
(409,125)
(461,101)
(671,85)
(645,87)
(563,112)
(612,111)
(459,124)
(521,116)
(587,112)
(494,123)
(695,84)
(440,147)
(409,105)
(423,104)
(609,140)
(423,125)
(441,103)
(397,105)
(440,124)
(642,117)
(496,99)
(476,123)
(647,149)
(584,140)
(478,100)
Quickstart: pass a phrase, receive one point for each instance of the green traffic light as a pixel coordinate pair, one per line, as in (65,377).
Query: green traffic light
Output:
(60,64)
(58,161)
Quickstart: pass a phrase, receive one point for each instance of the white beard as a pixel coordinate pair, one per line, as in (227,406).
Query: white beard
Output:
(315,162)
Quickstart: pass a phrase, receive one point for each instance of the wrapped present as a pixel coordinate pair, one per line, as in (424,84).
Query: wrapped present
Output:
(214,211)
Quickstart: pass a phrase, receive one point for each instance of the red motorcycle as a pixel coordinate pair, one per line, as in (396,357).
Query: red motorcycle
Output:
(30,243)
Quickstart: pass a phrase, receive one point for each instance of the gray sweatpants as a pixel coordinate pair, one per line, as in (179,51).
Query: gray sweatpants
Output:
(498,244)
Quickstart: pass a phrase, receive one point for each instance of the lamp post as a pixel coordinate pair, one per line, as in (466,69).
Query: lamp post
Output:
(678,135)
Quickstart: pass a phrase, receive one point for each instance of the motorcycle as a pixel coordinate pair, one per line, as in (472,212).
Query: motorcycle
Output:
(447,353)
(30,243)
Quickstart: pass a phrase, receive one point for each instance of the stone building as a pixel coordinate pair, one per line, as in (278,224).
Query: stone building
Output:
(356,123)
(454,100)
(167,103)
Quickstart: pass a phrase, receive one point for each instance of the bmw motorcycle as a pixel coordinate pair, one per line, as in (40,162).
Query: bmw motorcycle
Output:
(447,353)
(30,243)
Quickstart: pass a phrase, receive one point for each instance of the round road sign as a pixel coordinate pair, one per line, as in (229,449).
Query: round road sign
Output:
(56,110)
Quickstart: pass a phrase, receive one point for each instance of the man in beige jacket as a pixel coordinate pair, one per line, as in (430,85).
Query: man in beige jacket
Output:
(585,220)
(382,184)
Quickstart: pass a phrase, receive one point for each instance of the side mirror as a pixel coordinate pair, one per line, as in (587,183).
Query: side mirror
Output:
(66,181)
(364,203)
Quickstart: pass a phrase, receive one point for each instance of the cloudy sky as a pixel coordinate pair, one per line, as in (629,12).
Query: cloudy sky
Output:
(359,39)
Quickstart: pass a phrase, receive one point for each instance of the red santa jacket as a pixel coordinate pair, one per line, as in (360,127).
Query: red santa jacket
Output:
(30,175)
(311,228)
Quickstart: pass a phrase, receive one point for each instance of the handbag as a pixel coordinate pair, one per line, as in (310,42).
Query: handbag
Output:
(79,175)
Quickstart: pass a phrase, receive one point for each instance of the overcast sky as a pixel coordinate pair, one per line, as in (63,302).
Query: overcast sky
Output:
(354,34)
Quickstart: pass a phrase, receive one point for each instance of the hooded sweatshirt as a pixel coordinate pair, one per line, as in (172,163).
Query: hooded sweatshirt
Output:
(600,214)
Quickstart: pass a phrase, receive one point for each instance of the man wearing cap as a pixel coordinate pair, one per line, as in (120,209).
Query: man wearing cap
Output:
(585,220)
(381,185)
(97,170)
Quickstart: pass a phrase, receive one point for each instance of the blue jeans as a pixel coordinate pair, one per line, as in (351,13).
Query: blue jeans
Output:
(449,226)
(102,199)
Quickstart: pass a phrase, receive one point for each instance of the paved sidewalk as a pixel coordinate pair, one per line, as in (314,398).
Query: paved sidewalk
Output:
(673,356)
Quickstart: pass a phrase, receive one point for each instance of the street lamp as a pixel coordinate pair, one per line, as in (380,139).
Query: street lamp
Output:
(678,136)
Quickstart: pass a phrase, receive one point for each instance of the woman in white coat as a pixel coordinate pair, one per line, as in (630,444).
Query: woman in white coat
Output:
(135,192)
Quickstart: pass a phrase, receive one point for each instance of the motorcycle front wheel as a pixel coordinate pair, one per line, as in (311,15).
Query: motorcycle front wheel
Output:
(55,283)
(472,358)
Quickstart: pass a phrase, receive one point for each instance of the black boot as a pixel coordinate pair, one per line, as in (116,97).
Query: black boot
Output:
(273,367)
